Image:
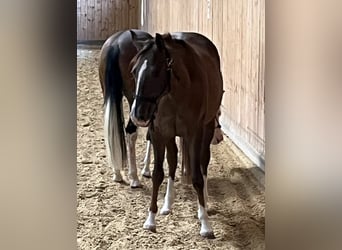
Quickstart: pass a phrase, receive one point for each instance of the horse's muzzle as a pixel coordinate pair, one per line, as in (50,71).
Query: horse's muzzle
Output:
(140,123)
(142,113)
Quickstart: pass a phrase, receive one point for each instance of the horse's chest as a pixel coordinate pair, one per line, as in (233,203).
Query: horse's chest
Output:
(171,125)
(171,120)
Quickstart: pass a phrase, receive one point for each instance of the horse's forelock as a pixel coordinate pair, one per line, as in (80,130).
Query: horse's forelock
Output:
(136,59)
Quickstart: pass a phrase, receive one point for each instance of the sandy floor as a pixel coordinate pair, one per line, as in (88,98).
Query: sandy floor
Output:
(111,215)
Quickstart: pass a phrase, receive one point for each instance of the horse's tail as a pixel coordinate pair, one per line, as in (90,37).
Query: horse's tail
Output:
(113,115)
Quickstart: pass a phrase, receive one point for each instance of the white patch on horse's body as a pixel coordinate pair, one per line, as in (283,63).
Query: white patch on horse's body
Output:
(140,73)
(113,145)
(147,161)
(206,229)
(132,166)
(150,223)
(169,197)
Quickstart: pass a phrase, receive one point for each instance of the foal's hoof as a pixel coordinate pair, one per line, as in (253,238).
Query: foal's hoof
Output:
(150,227)
(208,235)
(135,184)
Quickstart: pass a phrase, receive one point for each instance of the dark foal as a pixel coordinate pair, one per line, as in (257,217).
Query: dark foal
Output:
(178,93)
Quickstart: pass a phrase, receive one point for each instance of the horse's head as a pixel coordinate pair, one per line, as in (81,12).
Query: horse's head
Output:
(151,71)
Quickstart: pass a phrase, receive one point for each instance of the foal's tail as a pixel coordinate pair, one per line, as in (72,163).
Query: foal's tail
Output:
(113,115)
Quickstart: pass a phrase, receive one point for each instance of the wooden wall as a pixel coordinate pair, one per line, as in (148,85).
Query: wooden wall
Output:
(237,27)
(98,19)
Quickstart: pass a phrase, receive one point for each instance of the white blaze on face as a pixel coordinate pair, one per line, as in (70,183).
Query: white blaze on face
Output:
(140,73)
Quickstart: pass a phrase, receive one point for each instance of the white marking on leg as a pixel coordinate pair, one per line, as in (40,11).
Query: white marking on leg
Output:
(112,141)
(206,229)
(169,197)
(132,165)
(146,170)
(140,73)
(150,223)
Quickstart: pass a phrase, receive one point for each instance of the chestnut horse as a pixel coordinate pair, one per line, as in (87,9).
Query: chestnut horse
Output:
(116,82)
(178,92)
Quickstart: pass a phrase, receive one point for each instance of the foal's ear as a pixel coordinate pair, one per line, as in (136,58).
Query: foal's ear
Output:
(160,41)
(138,43)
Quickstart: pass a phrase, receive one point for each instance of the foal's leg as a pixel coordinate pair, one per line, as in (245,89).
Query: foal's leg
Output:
(146,172)
(198,183)
(171,154)
(131,136)
(157,179)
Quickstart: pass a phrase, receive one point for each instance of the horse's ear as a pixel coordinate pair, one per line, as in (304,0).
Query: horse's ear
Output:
(139,44)
(160,41)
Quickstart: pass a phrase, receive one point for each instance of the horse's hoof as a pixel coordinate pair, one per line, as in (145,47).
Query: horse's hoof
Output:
(165,211)
(146,174)
(117,178)
(135,184)
(208,235)
(150,227)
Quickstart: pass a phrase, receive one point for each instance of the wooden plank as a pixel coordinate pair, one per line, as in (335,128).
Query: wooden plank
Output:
(91,20)
(217,25)
(83,20)
(124,15)
(78,18)
(98,19)
(104,17)
(133,14)
(225,58)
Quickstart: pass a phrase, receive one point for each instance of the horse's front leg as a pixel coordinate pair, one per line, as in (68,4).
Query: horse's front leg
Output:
(131,137)
(157,179)
(199,185)
(171,155)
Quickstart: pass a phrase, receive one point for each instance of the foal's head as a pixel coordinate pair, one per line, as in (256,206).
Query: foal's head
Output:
(151,71)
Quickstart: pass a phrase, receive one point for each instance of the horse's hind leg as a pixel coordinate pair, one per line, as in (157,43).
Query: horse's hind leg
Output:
(131,136)
(205,157)
(198,183)
(146,172)
(171,155)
